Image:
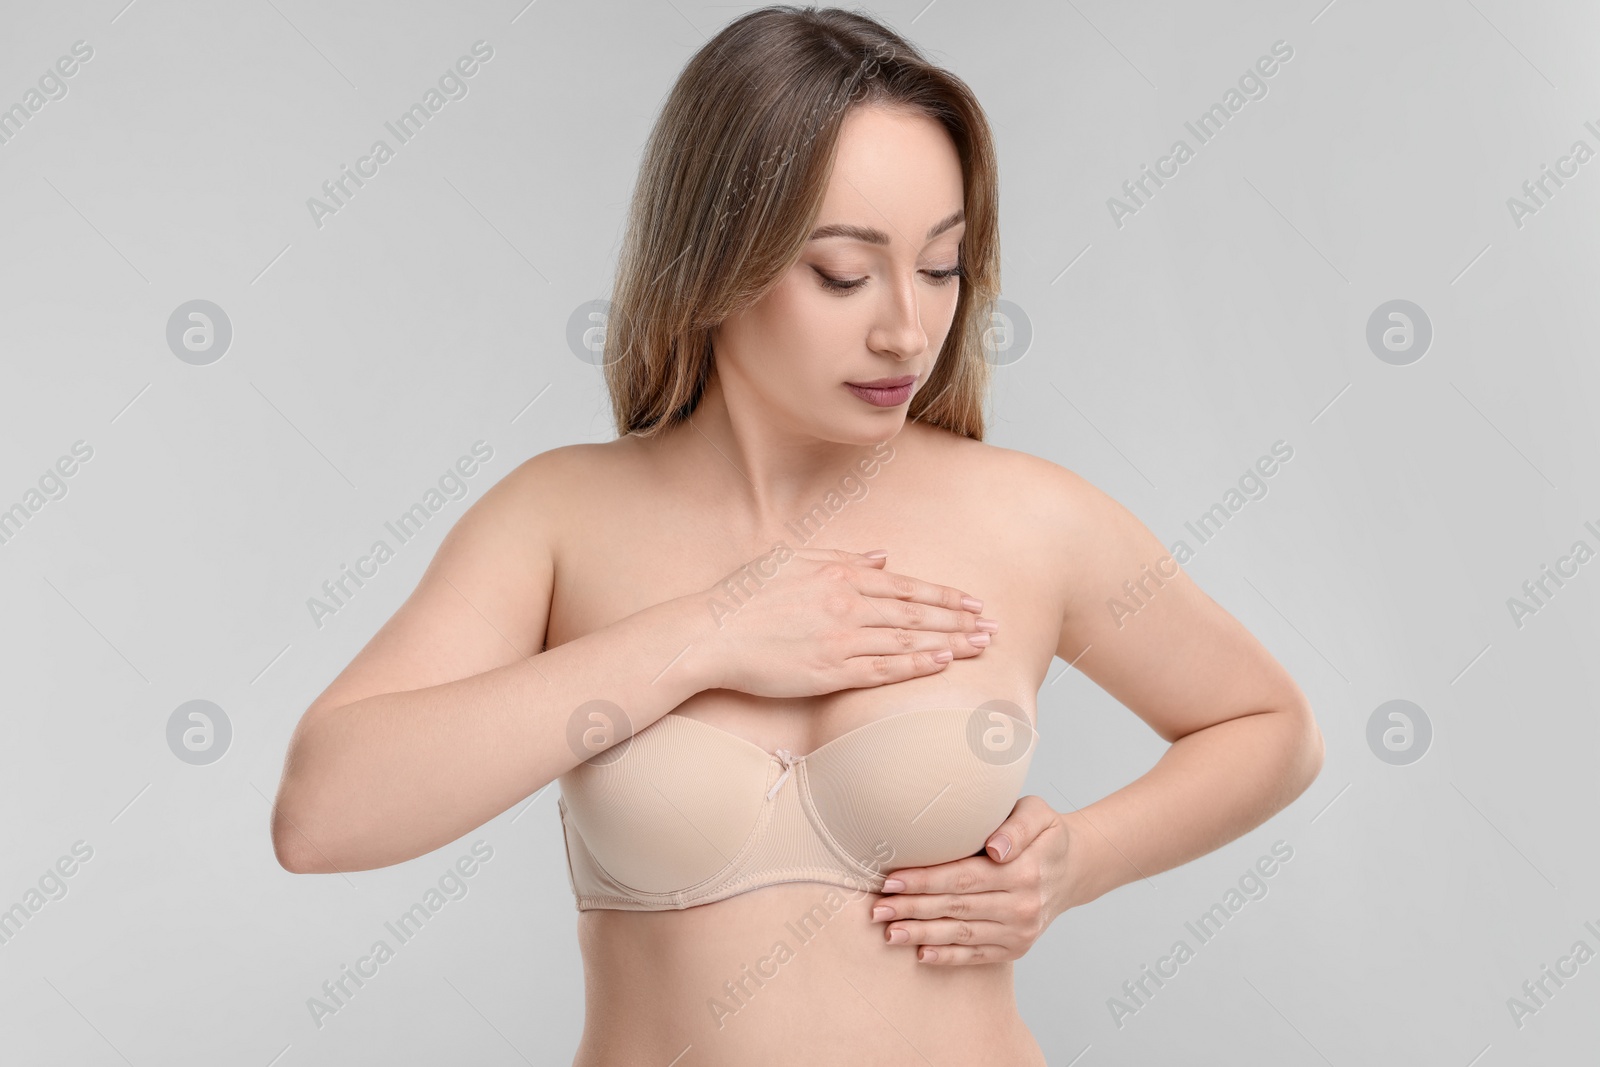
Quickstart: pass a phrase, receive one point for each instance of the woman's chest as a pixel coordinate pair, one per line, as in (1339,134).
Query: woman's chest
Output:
(647,550)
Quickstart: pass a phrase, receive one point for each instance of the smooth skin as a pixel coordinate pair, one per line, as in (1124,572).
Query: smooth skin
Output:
(590,572)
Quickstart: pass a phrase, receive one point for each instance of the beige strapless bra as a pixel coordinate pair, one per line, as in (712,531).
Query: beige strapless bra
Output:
(689,813)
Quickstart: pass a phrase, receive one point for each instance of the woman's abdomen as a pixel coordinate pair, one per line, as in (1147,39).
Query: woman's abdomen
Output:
(796,973)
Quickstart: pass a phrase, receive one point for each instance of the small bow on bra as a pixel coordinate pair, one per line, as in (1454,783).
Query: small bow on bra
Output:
(789,760)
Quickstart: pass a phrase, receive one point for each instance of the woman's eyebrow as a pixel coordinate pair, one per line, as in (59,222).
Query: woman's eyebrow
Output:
(872,236)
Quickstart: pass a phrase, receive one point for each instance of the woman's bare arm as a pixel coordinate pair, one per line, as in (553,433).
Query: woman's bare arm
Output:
(452,713)
(1244,741)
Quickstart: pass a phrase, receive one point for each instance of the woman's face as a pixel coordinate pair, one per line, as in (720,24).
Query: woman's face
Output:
(872,295)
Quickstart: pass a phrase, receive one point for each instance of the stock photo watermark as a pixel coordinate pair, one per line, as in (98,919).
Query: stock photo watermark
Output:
(337,992)
(1399,732)
(452,85)
(599,732)
(1538,590)
(452,486)
(738,992)
(586,331)
(1251,485)
(1536,993)
(1538,191)
(1399,332)
(744,584)
(999,733)
(52,485)
(199,732)
(52,85)
(1252,85)
(52,886)
(1009,334)
(1252,886)
(199,332)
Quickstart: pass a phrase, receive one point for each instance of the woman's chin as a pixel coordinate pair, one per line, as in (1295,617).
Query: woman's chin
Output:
(866,437)
(874,428)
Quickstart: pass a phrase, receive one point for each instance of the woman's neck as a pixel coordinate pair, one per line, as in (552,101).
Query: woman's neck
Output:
(745,458)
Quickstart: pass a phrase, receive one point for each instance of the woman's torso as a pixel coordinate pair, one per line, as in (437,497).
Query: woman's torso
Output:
(648,528)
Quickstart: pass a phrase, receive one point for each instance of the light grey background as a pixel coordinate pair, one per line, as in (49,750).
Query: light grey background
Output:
(1168,354)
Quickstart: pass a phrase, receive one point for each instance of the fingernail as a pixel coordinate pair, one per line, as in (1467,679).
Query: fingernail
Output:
(927,955)
(944,655)
(881,912)
(1000,846)
(879,553)
(893,885)
(897,936)
(987,624)
(972,603)
(979,640)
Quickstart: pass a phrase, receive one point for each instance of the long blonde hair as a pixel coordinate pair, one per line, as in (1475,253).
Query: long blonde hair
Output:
(730,186)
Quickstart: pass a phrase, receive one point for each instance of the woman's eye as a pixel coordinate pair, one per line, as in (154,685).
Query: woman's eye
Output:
(840,285)
(837,285)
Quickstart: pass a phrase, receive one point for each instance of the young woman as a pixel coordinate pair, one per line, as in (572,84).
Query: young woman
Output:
(754,720)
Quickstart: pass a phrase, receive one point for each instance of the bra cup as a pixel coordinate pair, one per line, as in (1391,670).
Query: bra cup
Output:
(915,784)
(666,815)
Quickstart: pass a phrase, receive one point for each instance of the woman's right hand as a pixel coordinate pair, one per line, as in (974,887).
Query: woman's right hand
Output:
(797,623)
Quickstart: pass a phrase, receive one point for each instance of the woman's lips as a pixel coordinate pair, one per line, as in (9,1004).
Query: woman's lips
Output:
(884,396)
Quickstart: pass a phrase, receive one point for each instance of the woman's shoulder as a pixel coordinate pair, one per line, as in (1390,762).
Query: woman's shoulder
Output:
(575,462)
(1051,500)
(554,482)
(998,468)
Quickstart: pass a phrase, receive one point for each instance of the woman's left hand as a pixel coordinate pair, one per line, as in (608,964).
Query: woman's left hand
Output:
(985,908)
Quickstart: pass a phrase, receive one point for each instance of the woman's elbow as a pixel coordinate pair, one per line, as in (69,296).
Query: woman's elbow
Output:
(301,807)
(1309,749)
(295,852)
(288,845)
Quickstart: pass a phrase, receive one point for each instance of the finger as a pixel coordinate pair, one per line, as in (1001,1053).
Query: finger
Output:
(863,672)
(1030,815)
(889,640)
(913,615)
(892,585)
(890,599)
(996,906)
(971,874)
(956,955)
(860,559)
(948,932)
